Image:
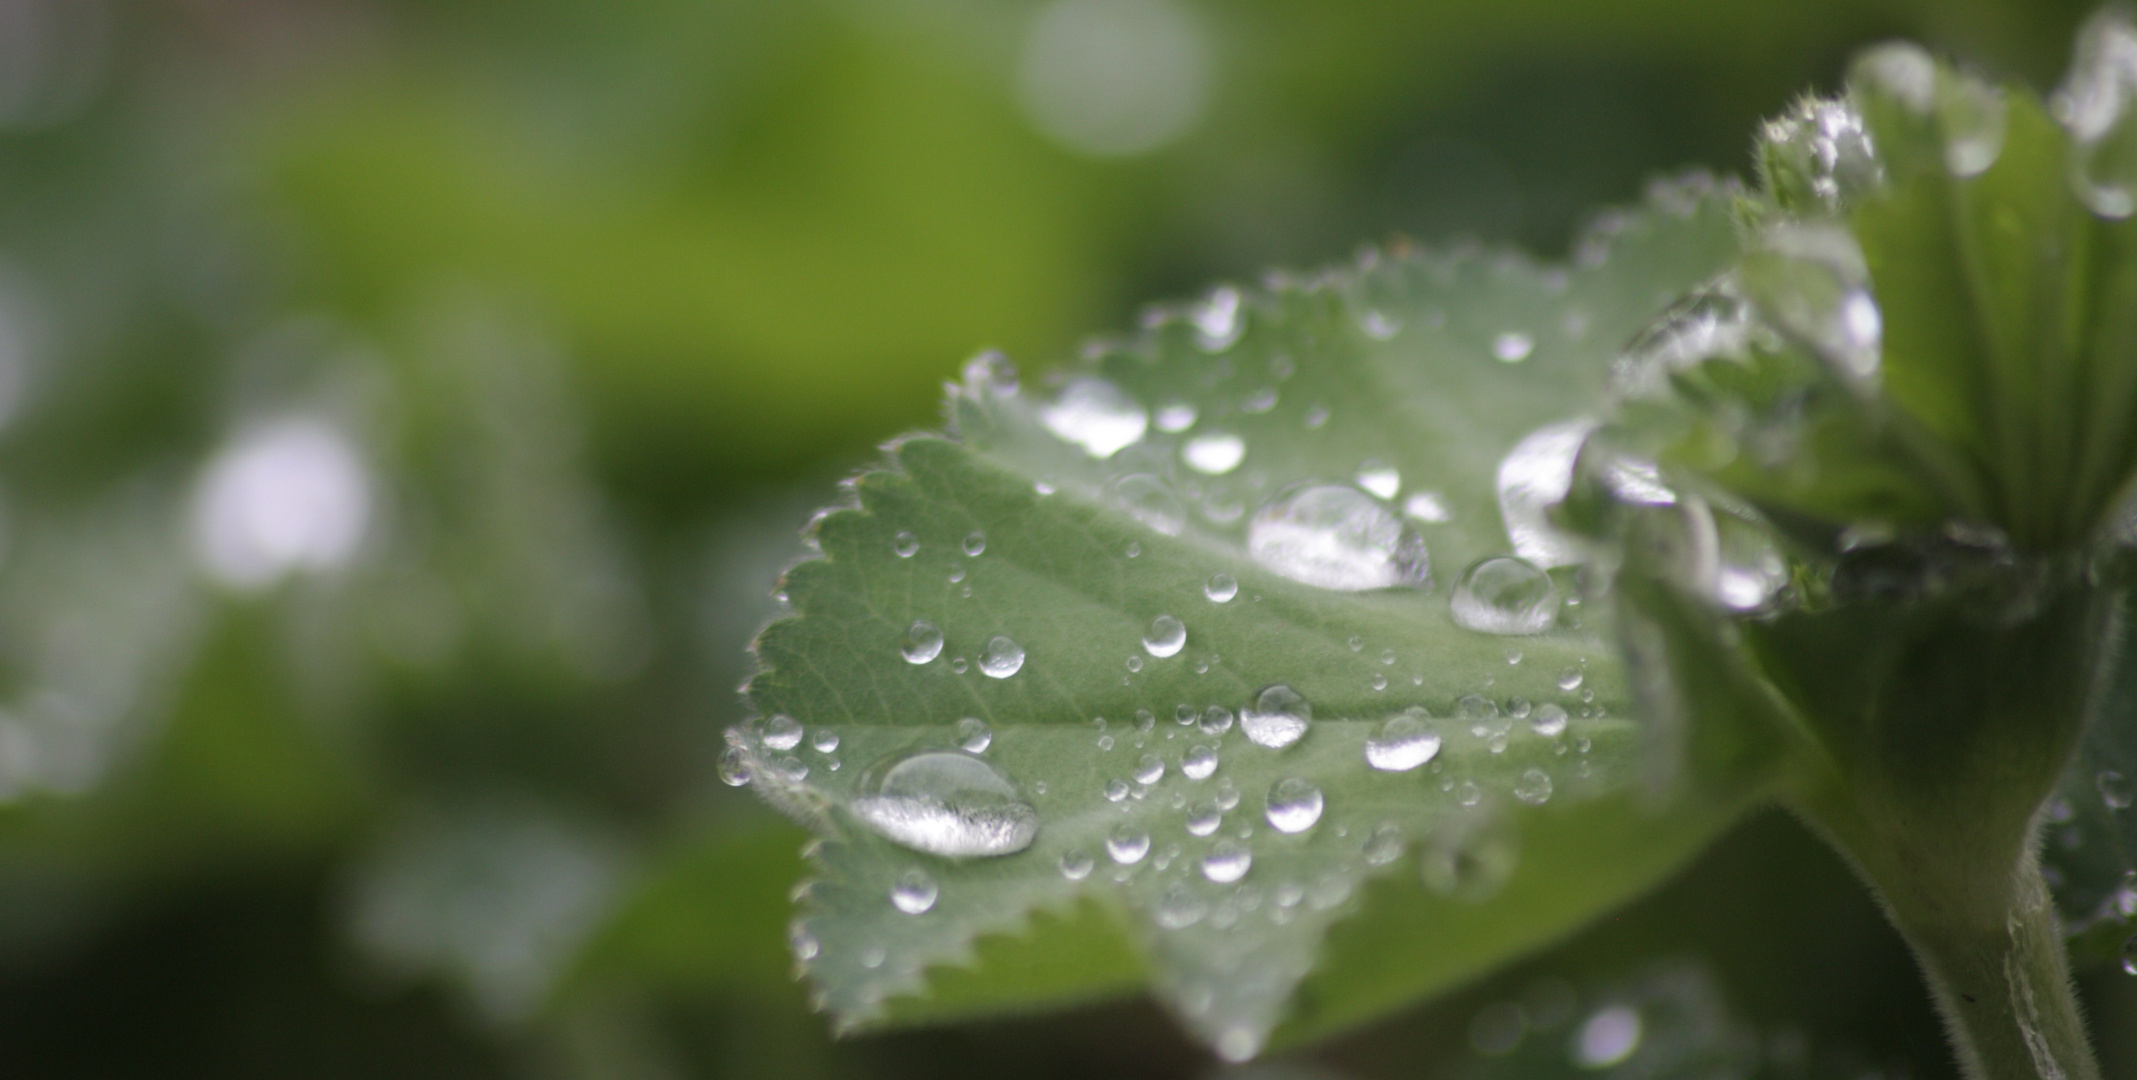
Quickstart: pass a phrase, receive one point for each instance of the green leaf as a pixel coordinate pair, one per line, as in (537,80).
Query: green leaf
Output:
(1331,448)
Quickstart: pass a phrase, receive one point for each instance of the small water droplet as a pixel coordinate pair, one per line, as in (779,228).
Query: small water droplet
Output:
(1385,845)
(1533,787)
(914,892)
(923,642)
(1427,506)
(1379,325)
(946,803)
(2115,789)
(1184,714)
(1216,720)
(1116,790)
(1166,636)
(1199,763)
(1403,743)
(1204,819)
(1316,417)
(1278,717)
(1227,795)
(1260,401)
(1504,595)
(1002,658)
(825,740)
(1227,862)
(1607,1038)
(1151,501)
(735,767)
(1468,793)
(957,574)
(1220,588)
(1175,416)
(782,732)
(1294,805)
(1214,453)
(1149,770)
(958,665)
(975,543)
(973,735)
(1336,537)
(905,545)
(1512,347)
(1179,908)
(803,943)
(1133,549)
(1135,663)
(1549,721)
(1569,679)
(1076,864)
(1128,844)
(873,956)
(1096,415)
(1380,479)
(1238,1044)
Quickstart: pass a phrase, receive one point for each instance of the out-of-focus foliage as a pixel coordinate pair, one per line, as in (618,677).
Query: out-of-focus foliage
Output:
(404,404)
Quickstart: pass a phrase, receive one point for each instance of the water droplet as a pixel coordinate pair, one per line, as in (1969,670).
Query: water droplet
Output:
(1216,720)
(1336,538)
(1204,819)
(1165,637)
(1427,506)
(1214,453)
(1316,417)
(1128,844)
(1278,717)
(1504,595)
(975,543)
(1227,862)
(1151,501)
(1607,1038)
(1469,862)
(1149,770)
(2129,955)
(873,956)
(1179,908)
(1534,476)
(1749,571)
(1135,663)
(1002,658)
(1569,679)
(1468,793)
(1260,401)
(1227,795)
(1549,721)
(1175,416)
(957,574)
(923,642)
(958,665)
(1184,714)
(973,735)
(1820,148)
(1294,805)
(825,740)
(1533,787)
(1238,1044)
(1512,347)
(1380,479)
(1133,549)
(2095,103)
(1385,845)
(782,732)
(1216,320)
(1116,788)
(1220,588)
(905,545)
(914,892)
(1379,325)
(735,767)
(1199,763)
(2115,789)
(1096,415)
(1076,864)
(946,803)
(803,943)
(1404,743)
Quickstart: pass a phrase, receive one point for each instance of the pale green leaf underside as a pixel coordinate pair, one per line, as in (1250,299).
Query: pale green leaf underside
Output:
(1435,366)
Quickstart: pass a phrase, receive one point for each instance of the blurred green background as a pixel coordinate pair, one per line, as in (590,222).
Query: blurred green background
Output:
(408,404)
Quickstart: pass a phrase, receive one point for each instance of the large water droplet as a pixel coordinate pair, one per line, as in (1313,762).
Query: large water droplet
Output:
(1294,805)
(1214,453)
(946,803)
(1403,743)
(735,768)
(1151,501)
(1534,476)
(973,735)
(1504,595)
(2095,103)
(1128,844)
(1336,538)
(1166,636)
(923,642)
(1533,787)
(782,732)
(1002,658)
(1199,763)
(1227,862)
(1379,478)
(914,892)
(1220,588)
(1278,717)
(1179,908)
(1096,415)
